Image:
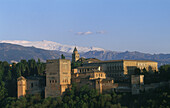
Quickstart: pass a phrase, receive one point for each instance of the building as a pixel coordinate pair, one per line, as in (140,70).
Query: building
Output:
(122,69)
(88,60)
(21,87)
(99,75)
(58,77)
(85,69)
(75,55)
(30,85)
(94,78)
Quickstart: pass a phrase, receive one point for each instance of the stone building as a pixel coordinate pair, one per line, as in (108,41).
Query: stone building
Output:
(94,78)
(30,85)
(85,69)
(75,55)
(99,75)
(122,69)
(58,77)
(21,87)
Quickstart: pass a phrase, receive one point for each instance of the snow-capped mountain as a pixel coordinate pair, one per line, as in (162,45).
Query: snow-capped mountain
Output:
(49,45)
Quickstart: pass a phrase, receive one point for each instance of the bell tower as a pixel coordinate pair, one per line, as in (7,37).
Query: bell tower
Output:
(75,55)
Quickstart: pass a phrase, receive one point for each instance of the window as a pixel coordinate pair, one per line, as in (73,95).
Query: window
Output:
(31,85)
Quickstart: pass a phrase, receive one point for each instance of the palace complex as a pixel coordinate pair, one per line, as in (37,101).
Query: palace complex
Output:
(104,76)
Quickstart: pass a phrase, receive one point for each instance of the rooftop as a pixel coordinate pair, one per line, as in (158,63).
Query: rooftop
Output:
(89,67)
(108,61)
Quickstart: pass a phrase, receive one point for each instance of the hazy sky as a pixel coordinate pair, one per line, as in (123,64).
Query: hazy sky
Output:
(118,25)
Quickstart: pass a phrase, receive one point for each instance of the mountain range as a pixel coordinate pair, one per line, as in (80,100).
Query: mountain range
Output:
(50,45)
(14,53)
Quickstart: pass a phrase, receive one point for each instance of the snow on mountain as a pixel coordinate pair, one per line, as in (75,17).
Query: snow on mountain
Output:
(49,45)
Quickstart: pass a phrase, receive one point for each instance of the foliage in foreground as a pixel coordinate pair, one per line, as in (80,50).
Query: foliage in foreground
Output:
(89,98)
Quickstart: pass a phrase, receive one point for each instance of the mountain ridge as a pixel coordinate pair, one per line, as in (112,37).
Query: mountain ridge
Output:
(50,45)
(12,52)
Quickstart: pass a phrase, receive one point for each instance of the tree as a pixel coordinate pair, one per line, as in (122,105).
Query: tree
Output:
(8,76)
(116,98)
(62,56)
(14,75)
(144,70)
(18,71)
(3,91)
(137,71)
(39,61)
(24,62)
(27,71)
(164,72)
(1,74)
(32,65)
(75,64)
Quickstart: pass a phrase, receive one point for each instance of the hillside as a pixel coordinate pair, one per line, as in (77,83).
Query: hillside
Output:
(11,52)
(112,55)
(50,45)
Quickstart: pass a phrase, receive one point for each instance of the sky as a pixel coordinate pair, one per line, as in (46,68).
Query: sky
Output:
(117,25)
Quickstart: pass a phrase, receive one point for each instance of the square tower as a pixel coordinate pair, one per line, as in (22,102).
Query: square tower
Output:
(58,77)
(21,87)
(75,55)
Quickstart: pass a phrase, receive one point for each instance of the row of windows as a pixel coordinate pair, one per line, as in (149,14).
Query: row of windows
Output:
(115,75)
(109,68)
(85,70)
(53,81)
(65,81)
(99,75)
(141,64)
(115,64)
